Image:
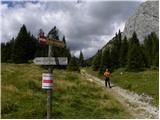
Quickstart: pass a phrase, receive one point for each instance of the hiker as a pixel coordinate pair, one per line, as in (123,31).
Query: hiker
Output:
(107,75)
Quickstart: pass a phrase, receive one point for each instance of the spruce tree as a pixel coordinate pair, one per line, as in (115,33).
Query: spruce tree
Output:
(135,55)
(151,49)
(105,59)
(81,59)
(32,46)
(24,47)
(115,51)
(119,39)
(155,49)
(64,40)
(134,39)
(123,52)
(6,51)
(97,60)
(115,54)
(21,46)
(73,65)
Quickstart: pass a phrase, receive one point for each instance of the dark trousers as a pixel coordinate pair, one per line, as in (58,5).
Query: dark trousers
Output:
(107,80)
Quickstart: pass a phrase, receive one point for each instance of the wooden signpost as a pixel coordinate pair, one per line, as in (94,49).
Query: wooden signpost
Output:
(47,78)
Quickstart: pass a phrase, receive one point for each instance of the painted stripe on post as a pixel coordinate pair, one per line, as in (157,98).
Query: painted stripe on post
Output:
(47,78)
(46,87)
(47,81)
(46,84)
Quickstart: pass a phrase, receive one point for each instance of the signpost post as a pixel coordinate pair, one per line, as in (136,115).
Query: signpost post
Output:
(49,91)
(47,79)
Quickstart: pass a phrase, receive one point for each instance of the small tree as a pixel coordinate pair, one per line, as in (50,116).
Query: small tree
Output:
(105,59)
(21,46)
(73,65)
(115,50)
(81,59)
(123,52)
(6,51)
(97,60)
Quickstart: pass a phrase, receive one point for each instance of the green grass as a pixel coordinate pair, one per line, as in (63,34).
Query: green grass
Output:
(146,82)
(73,96)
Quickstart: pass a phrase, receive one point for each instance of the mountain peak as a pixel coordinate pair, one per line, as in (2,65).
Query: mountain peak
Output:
(144,21)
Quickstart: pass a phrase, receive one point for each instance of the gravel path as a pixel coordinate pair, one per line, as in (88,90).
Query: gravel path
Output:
(138,105)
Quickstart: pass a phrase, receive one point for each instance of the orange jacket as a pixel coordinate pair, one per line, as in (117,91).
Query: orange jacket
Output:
(107,73)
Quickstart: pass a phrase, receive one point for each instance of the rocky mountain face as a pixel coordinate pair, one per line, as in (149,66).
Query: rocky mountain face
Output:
(144,21)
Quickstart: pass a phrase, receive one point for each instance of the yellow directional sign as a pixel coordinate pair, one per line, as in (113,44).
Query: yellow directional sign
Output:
(55,42)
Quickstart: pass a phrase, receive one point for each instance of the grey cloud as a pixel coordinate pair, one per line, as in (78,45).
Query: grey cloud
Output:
(83,24)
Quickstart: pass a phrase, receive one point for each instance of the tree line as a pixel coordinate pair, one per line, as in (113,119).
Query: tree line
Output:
(25,47)
(128,53)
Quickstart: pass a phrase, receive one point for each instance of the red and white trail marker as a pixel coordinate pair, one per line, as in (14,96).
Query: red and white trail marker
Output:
(54,42)
(42,39)
(47,81)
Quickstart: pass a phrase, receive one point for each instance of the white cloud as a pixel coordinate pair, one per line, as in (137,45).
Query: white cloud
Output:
(87,26)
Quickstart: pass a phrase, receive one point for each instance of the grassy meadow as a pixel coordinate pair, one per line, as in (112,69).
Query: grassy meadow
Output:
(146,82)
(73,96)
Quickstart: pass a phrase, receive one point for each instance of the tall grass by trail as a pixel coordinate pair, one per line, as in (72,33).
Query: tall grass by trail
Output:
(73,96)
(145,82)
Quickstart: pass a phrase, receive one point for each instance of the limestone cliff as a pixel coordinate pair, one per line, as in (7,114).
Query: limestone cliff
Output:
(144,21)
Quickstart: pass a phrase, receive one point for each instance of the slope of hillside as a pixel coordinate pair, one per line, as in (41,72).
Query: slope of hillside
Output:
(73,96)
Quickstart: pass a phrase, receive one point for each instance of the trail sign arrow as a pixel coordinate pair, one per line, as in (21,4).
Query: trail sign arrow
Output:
(54,42)
(50,61)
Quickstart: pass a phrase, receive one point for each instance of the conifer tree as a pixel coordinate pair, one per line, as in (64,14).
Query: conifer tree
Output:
(135,55)
(64,40)
(3,57)
(73,65)
(21,50)
(105,59)
(151,48)
(123,52)
(81,59)
(97,60)
(115,53)
(119,39)
(6,51)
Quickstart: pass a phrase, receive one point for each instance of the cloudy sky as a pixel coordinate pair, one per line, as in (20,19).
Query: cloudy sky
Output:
(87,25)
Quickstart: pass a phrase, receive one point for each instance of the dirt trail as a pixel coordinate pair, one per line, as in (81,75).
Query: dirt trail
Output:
(138,105)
